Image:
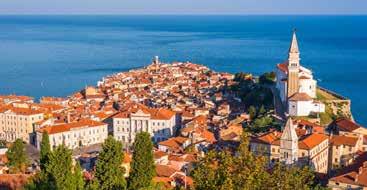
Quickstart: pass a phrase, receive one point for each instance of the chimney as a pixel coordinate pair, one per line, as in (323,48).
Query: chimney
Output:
(68,118)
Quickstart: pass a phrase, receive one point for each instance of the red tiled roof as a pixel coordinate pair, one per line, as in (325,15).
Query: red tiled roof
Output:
(208,136)
(174,143)
(164,170)
(68,126)
(21,111)
(155,113)
(347,125)
(269,138)
(13,181)
(311,141)
(159,154)
(300,97)
(343,140)
(355,174)
(283,66)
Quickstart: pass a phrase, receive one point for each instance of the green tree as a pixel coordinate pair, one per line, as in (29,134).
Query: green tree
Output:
(252,112)
(245,171)
(262,110)
(109,172)
(18,159)
(142,165)
(60,170)
(45,150)
(214,171)
(249,171)
(78,177)
(290,178)
(92,185)
(267,78)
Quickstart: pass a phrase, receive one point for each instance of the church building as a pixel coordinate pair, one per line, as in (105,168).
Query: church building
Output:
(296,85)
(294,145)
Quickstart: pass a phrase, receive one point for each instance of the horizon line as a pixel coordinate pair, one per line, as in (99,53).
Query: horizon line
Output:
(181,14)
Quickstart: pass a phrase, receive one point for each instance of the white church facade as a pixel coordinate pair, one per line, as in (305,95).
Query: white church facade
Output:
(294,145)
(296,85)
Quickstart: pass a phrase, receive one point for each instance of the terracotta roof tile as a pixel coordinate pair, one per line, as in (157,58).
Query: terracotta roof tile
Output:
(310,141)
(347,125)
(300,97)
(68,126)
(343,140)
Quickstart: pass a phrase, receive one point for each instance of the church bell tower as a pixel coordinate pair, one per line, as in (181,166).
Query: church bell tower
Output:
(293,67)
(289,144)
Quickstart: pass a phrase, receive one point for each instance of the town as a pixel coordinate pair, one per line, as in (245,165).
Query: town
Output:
(190,113)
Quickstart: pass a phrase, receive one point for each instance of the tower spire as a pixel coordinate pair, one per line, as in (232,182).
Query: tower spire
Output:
(294,44)
(289,143)
(293,67)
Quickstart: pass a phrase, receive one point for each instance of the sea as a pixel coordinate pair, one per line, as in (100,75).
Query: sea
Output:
(58,55)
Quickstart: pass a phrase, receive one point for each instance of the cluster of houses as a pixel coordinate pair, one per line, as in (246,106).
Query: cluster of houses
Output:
(188,109)
(181,105)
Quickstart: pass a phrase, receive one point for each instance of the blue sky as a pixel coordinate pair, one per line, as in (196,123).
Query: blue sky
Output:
(183,7)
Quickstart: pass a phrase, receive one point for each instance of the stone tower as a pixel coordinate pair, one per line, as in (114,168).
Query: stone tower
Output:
(293,67)
(289,144)
(156,60)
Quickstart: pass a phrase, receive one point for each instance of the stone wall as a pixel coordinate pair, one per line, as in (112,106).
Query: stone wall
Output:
(340,106)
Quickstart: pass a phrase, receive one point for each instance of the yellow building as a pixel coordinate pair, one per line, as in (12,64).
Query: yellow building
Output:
(294,146)
(18,122)
(73,135)
(343,150)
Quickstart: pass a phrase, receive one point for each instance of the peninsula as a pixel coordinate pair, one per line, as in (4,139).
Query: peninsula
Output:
(186,125)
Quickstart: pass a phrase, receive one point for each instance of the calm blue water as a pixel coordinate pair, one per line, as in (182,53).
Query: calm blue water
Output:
(58,55)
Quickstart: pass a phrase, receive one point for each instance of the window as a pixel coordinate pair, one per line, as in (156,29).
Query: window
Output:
(285,154)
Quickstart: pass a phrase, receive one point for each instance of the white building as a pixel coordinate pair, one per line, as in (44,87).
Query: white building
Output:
(18,123)
(294,146)
(296,85)
(76,134)
(160,123)
(289,144)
